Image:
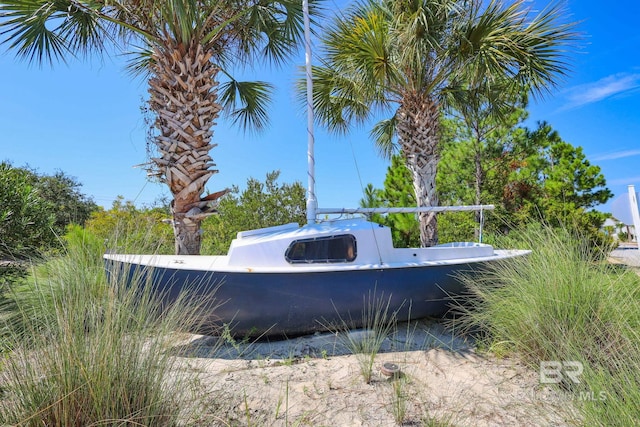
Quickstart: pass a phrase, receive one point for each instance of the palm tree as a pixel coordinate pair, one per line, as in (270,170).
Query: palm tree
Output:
(415,58)
(186,49)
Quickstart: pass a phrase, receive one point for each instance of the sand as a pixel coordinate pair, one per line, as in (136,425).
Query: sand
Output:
(318,381)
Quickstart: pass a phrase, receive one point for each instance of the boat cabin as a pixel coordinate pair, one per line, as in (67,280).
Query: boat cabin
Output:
(353,241)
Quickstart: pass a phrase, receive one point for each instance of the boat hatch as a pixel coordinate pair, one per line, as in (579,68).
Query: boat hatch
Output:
(268,230)
(340,248)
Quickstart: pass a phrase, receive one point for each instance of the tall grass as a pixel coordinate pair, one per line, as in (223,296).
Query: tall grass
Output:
(565,303)
(88,351)
(377,323)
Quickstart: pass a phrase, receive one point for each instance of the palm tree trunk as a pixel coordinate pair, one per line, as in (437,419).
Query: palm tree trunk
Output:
(418,135)
(184,98)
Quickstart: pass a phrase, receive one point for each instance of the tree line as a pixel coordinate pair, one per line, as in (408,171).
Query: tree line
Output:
(35,209)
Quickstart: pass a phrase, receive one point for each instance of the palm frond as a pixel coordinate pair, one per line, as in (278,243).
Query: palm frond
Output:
(339,99)
(246,103)
(181,19)
(359,45)
(498,101)
(272,29)
(139,62)
(502,43)
(383,133)
(547,60)
(421,32)
(49,31)
(356,71)
(289,32)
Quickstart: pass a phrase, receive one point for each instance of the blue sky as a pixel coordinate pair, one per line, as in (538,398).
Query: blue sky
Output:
(84,119)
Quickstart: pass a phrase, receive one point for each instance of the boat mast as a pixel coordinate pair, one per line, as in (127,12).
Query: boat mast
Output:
(312,203)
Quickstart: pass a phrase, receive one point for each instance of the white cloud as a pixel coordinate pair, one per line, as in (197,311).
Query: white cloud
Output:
(617,155)
(624,181)
(604,88)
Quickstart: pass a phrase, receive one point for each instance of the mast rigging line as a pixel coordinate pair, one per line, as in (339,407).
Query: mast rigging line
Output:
(384,210)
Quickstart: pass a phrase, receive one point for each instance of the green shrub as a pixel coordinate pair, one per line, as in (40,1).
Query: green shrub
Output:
(564,302)
(457,227)
(127,229)
(91,351)
(35,210)
(26,219)
(260,204)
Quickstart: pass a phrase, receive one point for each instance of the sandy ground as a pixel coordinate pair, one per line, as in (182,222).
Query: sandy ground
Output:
(318,381)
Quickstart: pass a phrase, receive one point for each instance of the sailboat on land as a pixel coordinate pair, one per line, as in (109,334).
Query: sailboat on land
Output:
(291,279)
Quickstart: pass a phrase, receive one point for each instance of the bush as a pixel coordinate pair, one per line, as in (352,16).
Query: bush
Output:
(261,204)
(127,229)
(87,351)
(26,219)
(36,209)
(564,302)
(457,227)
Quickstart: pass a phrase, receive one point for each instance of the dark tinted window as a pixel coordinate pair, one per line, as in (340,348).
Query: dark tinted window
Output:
(323,249)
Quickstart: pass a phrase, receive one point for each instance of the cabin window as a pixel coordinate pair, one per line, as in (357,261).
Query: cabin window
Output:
(340,248)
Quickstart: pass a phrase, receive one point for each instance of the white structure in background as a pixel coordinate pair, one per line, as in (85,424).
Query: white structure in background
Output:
(625,216)
(633,205)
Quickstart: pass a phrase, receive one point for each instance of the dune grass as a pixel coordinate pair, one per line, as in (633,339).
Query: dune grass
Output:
(565,304)
(85,350)
(377,323)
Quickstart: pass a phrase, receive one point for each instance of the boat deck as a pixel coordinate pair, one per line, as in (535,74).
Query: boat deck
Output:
(220,263)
